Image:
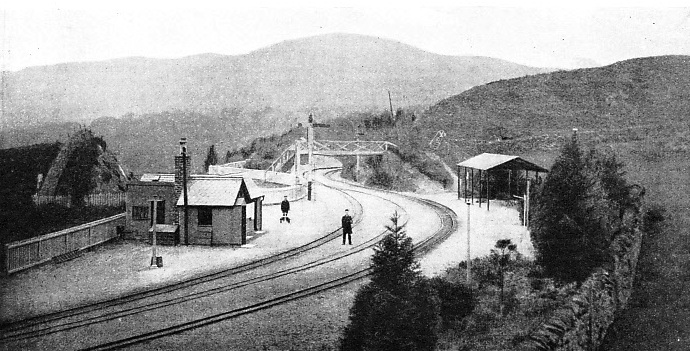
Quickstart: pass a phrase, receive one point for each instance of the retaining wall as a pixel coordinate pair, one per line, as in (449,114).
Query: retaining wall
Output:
(583,324)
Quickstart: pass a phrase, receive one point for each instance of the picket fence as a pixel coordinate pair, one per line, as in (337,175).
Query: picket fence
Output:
(20,255)
(92,200)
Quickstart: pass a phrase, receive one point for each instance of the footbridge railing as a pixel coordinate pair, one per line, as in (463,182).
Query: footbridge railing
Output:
(340,147)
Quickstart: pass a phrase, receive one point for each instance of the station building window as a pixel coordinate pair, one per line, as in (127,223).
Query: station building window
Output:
(140,212)
(205,216)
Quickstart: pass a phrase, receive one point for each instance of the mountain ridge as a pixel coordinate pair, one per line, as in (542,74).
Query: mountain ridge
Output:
(338,70)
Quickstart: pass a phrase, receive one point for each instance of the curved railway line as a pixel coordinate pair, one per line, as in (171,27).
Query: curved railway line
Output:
(19,332)
(40,326)
(139,295)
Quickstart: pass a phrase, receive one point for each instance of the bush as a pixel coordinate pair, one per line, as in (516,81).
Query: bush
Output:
(654,215)
(381,178)
(457,300)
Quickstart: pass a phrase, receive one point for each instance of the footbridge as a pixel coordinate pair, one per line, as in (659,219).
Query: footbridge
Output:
(329,148)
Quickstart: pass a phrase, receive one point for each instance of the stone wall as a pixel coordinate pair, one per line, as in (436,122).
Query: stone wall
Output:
(583,324)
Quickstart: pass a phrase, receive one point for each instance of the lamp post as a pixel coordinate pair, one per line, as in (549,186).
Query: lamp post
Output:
(153,229)
(469,264)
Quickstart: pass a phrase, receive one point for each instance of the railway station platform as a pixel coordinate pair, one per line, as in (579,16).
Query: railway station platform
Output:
(123,267)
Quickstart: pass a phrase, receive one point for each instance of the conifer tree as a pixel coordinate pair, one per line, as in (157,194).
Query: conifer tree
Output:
(398,309)
(211,158)
(574,216)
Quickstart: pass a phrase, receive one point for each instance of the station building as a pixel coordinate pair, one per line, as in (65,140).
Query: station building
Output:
(216,207)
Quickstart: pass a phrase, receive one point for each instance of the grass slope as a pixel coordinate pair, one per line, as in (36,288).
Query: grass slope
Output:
(628,93)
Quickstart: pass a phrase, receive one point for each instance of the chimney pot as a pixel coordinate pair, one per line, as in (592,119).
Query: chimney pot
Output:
(183,146)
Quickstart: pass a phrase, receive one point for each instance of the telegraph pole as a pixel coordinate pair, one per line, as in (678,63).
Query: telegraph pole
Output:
(310,149)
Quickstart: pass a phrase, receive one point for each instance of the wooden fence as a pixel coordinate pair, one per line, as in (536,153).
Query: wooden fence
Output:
(20,255)
(93,200)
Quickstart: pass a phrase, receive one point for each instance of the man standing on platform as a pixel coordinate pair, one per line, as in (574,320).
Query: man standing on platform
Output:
(285,208)
(347,227)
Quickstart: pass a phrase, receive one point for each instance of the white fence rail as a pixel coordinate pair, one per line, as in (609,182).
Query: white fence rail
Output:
(93,200)
(272,195)
(20,255)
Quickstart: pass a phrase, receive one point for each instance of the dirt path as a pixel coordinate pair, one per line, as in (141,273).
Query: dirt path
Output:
(454,186)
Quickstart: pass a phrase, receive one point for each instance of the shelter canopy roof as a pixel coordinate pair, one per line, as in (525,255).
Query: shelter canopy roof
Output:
(488,161)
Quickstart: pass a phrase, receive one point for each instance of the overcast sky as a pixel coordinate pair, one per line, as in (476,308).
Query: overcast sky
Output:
(533,34)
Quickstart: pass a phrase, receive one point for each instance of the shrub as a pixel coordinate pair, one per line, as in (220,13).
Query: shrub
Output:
(456,300)
(381,178)
(655,214)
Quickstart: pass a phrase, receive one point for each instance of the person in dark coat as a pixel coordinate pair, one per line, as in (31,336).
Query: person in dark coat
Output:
(347,227)
(285,208)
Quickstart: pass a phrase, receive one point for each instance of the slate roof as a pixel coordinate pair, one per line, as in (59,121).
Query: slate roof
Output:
(252,187)
(215,191)
(158,177)
(488,161)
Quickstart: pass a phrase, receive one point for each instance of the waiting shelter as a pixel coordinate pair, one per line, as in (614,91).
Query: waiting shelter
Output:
(507,173)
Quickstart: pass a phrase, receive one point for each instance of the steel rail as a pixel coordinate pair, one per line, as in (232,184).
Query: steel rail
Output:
(448,226)
(177,300)
(139,295)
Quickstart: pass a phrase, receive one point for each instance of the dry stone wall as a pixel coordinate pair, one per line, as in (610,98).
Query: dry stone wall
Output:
(583,324)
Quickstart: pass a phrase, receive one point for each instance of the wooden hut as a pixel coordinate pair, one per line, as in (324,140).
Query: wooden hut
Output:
(217,210)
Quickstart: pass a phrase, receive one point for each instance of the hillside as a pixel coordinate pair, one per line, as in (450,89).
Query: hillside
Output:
(331,71)
(629,93)
(645,99)
(627,100)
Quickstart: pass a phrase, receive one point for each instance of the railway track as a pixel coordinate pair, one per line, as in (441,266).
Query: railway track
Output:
(8,328)
(448,225)
(120,313)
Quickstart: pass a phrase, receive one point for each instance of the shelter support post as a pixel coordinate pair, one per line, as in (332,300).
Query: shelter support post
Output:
(465,177)
(458,183)
(510,193)
(357,168)
(527,205)
(487,189)
(480,188)
(472,190)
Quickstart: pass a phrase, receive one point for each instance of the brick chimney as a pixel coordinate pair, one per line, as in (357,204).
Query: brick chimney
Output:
(182,169)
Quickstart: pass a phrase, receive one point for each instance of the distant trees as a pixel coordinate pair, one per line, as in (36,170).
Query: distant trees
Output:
(78,175)
(384,119)
(211,158)
(398,309)
(578,212)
